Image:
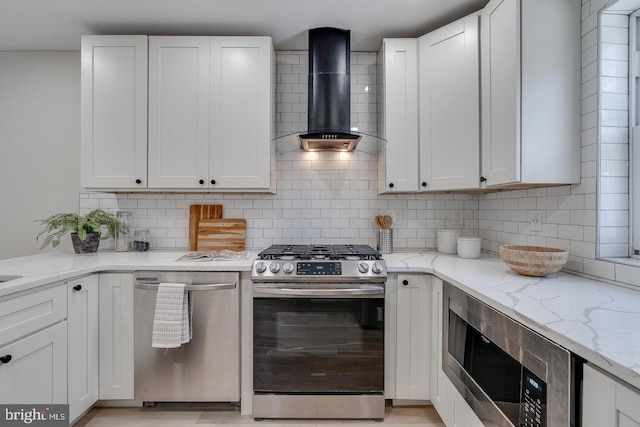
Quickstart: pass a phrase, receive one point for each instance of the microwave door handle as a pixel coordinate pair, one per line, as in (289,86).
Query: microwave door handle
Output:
(203,287)
(315,292)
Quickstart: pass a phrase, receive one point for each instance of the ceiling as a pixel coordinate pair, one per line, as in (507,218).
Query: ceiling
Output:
(58,24)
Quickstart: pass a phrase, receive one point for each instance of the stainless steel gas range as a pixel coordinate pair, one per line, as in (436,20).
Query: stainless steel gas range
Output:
(318,332)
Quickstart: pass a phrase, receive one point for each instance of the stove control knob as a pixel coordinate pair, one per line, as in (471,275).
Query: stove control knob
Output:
(261,267)
(287,268)
(363,267)
(274,268)
(376,268)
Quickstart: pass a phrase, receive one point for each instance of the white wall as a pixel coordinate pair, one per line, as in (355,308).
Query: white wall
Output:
(39,144)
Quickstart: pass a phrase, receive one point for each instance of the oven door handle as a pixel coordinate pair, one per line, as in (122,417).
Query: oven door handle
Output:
(370,291)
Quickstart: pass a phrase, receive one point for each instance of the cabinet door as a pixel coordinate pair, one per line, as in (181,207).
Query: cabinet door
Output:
(606,402)
(241,112)
(178,112)
(115,324)
(114,112)
(37,370)
(438,391)
(500,71)
(413,337)
(82,327)
(450,106)
(399,116)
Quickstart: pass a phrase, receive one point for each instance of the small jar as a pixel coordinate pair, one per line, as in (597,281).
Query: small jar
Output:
(124,241)
(141,241)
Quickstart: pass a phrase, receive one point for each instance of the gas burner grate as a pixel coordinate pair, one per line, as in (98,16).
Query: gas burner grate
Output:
(320,252)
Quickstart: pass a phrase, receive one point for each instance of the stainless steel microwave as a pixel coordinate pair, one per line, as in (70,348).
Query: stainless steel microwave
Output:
(510,375)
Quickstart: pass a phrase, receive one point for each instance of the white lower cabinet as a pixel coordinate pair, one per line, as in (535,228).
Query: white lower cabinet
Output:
(413,337)
(607,402)
(33,348)
(82,361)
(438,391)
(35,371)
(116,335)
(451,406)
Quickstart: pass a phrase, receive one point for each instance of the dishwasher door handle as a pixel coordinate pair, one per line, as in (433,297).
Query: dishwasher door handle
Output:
(203,287)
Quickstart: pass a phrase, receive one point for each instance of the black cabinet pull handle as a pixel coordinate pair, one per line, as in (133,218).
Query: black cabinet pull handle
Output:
(213,182)
(424,183)
(77,288)
(138,181)
(483,179)
(391,185)
(201,181)
(405,282)
(6,359)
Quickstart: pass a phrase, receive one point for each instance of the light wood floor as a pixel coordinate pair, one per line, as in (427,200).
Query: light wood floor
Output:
(177,415)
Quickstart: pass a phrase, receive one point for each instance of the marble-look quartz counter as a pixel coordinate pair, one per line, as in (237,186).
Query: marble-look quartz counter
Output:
(598,321)
(38,270)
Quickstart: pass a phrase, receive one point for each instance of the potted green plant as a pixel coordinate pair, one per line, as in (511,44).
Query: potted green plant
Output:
(85,229)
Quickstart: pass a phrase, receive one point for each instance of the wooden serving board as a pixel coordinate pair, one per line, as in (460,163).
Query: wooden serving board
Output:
(219,234)
(196,213)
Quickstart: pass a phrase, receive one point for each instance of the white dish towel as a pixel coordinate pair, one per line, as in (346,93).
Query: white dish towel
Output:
(172,318)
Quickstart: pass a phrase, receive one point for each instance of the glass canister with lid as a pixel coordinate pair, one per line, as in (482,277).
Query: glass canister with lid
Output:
(124,238)
(141,241)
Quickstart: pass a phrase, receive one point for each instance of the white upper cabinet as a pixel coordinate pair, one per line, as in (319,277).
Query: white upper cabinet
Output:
(211,113)
(450,106)
(530,68)
(114,112)
(211,103)
(242,99)
(398,115)
(178,112)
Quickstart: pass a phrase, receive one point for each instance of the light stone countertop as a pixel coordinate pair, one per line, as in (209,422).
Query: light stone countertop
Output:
(598,321)
(42,269)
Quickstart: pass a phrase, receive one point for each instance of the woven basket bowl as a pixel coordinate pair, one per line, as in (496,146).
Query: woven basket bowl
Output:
(534,261)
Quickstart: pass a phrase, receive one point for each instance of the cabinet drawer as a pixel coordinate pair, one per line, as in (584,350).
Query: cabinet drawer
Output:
(28,313)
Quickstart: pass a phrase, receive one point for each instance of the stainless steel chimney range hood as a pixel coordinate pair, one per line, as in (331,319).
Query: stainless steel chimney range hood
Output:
(329,101)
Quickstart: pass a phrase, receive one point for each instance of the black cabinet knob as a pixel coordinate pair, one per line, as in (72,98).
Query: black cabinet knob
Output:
(77,288)
(213,182)
(201,181)
(424,183)
(483,179)
(138,181)
(391,185)
(6,359)
(405,282)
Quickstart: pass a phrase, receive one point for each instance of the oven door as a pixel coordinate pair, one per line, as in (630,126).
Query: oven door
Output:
(318,339)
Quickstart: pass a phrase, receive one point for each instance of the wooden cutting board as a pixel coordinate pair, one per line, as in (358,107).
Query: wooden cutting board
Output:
(196,213)
(219,234)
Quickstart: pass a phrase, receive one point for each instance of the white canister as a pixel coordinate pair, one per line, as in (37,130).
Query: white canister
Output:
(446,241)
(468,247)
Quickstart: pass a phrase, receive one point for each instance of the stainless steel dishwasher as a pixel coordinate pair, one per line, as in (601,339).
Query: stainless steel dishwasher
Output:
(207,369)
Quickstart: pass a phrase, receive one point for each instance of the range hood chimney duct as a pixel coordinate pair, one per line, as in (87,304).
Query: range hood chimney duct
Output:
(329,103)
